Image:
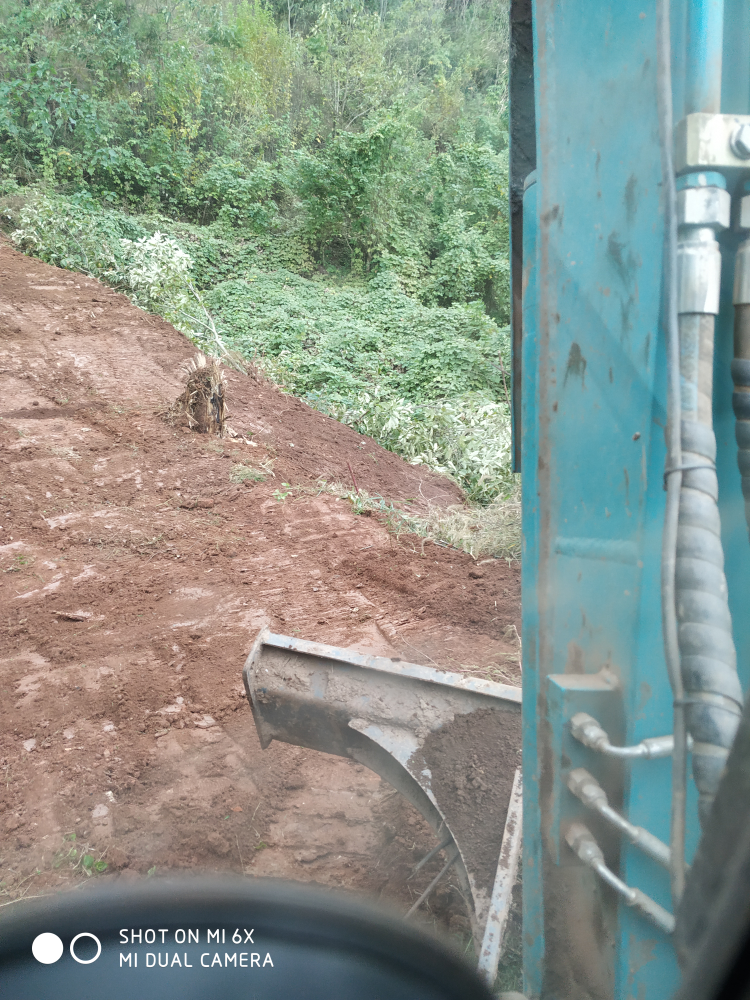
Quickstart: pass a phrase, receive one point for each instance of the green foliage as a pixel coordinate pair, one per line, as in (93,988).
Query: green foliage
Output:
(466,438)
(324,339)
(321,184)
(219,255)
(421,380)
(374,136)
(76,234)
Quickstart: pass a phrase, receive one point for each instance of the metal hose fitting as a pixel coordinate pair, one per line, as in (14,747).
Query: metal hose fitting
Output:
(582,843)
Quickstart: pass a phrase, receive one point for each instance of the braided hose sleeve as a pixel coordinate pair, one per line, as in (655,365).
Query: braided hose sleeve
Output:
(741,369)
(713,696)
(741,407)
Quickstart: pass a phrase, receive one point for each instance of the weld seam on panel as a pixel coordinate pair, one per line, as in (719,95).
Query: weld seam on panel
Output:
(598,548)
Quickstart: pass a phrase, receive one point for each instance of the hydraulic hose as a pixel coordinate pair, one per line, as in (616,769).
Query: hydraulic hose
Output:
(712,693)
(673,478)
(741,362)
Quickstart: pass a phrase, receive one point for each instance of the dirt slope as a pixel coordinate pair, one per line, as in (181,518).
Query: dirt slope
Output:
(134,577)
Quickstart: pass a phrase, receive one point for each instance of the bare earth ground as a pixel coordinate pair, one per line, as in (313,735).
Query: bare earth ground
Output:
(134,577)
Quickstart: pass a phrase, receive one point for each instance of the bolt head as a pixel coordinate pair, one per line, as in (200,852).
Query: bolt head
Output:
(740,141)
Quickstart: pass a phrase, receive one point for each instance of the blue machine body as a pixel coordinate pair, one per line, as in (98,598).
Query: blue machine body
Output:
(592,419)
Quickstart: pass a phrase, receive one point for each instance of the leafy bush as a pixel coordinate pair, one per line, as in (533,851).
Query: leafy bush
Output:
(152,268)
(157,272)
(75,233)
(234,194)
(336,341)
(466,438)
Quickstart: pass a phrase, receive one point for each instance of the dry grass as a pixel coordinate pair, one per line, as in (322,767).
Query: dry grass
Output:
(483,532)
(493,531)
(242,472)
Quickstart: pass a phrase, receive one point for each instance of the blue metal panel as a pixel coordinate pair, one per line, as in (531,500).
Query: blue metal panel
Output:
(678,26)
(735,83)
(593,423)
(595,509)
(533,888)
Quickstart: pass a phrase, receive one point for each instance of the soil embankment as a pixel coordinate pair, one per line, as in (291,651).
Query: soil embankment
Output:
(134,576)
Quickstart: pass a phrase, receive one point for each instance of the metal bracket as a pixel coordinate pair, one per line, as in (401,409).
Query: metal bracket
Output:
(567,695)
(704,142)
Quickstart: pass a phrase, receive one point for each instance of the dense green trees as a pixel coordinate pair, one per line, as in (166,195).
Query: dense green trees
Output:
(338,141)
(375,133)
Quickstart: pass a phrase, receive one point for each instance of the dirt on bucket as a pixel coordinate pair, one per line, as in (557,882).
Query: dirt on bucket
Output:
(473,760)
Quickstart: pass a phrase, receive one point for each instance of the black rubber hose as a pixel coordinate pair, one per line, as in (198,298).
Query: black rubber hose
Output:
(741,397)
(712,692)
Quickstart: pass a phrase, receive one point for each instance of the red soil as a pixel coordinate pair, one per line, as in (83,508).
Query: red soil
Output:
(134,576)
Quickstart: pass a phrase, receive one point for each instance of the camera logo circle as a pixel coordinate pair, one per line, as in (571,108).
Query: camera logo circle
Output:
(47,948)
(86,961)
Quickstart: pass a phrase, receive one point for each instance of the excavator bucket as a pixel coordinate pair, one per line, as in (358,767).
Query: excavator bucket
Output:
(449,743)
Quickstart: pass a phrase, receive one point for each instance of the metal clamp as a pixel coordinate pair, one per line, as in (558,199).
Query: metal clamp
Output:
(707,141)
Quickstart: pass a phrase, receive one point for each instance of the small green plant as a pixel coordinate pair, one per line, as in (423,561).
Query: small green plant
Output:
(91,865)
(19,564)
(74,859)
(246,473)
(284,492)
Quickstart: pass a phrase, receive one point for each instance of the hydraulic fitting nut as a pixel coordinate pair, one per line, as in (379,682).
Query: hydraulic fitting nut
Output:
(583,844)
(739,141)
(704,206)
(586,788)
(588,731)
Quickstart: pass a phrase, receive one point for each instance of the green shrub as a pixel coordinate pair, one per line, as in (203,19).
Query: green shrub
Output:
(466,438)
(336,341)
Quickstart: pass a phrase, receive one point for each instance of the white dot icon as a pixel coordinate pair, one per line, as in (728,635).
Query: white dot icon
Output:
(47,948)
